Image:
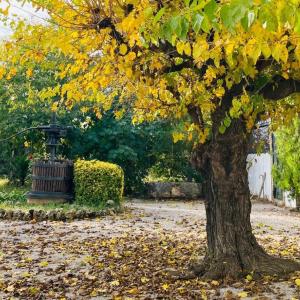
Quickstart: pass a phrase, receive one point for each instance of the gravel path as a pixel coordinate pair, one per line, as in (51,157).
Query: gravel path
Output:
(262,213)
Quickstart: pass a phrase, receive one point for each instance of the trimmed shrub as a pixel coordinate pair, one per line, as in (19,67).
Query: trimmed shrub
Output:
(97,183)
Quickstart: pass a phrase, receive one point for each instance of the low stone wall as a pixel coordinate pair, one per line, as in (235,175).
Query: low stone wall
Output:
(52,215)
(174,190)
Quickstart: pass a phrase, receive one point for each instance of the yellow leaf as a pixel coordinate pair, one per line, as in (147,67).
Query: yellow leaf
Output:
(180,47)
(165,286)
(131,56)
(187,49)
(253,50)
(128,72)
(44,264)
(284,55)
(5,11)
(229,47)
(203,135)
(33,290)
(177,137)
(265,49)
(11,73)
(297,281)
(215,283)
(10,288)
(219,92)
(26,144)
(203,294)
(29,73)
(243,294)
(249,277)
(133,291)
(54,106)
(181,290)
(26,274)
(285,75)
(280,52)
(115,283)
(144,279)
(84,109)
(250,123)
(123,49)
(297,53)
(2,73)
(94,293)
(200,50)
(75,34)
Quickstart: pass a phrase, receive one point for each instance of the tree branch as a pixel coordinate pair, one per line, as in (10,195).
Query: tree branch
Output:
(280,88)
(196,115)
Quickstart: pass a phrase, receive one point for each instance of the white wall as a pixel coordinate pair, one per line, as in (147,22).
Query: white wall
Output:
(289,201)
(258,165)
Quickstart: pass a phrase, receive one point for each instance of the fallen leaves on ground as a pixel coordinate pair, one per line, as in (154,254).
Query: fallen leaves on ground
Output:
(126,257)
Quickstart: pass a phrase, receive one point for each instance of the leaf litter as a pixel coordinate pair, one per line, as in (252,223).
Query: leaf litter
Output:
(127,256)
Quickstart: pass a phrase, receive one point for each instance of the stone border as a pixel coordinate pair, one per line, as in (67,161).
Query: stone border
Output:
(174,190)
(52,215)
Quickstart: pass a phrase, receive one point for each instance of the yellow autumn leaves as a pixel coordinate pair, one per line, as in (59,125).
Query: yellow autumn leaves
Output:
(136,62)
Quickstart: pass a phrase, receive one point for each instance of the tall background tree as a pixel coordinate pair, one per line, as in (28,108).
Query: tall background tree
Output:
(223,64)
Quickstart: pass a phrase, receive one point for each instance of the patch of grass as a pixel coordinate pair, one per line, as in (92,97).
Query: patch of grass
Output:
(14,197)
(12,194)
(6,187)
(24,206)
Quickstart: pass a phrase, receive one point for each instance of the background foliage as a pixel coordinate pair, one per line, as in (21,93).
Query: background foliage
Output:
(138,149)
(287,171)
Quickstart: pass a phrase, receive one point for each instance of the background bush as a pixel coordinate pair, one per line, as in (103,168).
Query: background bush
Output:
(141,150)
(98,182)
(286,173)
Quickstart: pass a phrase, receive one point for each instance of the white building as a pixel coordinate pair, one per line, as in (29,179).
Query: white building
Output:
(260,173)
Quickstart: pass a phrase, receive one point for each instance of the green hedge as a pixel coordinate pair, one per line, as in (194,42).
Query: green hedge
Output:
(98,182)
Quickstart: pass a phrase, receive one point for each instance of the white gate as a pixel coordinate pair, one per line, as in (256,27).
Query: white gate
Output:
(260,175)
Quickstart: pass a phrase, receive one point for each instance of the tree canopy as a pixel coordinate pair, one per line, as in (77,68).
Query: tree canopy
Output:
(168,58)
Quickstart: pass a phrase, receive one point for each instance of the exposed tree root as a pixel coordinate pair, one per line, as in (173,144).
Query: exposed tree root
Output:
(259,265)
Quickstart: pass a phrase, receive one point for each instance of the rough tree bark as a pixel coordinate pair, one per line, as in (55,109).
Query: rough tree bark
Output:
(232,250)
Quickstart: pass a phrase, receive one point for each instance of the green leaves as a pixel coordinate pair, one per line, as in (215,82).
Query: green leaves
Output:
(287,173)
(297,24)
(248,20)
(235,12)
(184,26)
(267,18)
(178,26)
(197,22)
(159,15)
(225,124)
(210,9)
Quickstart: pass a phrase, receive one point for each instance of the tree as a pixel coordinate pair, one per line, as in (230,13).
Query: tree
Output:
(17,112)
(287,170)
(226,64)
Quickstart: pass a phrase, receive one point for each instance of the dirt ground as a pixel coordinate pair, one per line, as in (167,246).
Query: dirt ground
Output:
(124,256)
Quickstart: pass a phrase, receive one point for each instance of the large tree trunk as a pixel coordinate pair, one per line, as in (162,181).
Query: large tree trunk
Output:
(232,248)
